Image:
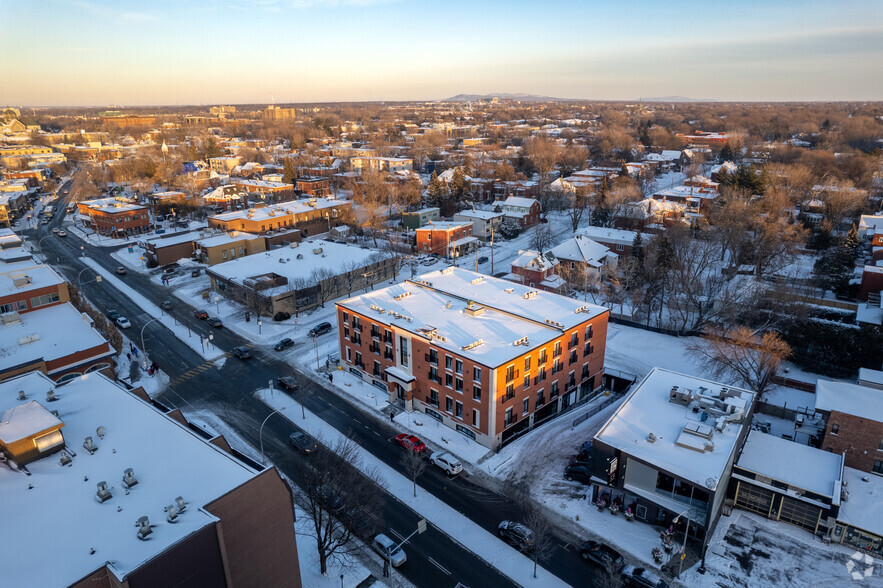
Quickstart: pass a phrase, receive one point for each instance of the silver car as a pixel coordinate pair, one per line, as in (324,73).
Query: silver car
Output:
(448,462)
(386,548)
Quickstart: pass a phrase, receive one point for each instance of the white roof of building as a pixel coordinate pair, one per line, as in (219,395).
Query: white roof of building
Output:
(173,238)
(869,375)
(516,201)
(25,420)
(850,399)
(581,248)
(8,238)
(51,333)
(225,238)
(173,463)
(864,509)
(37,276)
(479,214)
(647,410)
(795,464)
(276,210)
(617,236)
(507,317)
(443,225)
(686,192)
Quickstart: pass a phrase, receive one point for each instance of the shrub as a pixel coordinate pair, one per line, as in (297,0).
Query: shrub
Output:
(281,316)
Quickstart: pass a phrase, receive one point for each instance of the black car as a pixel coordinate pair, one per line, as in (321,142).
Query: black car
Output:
(603,555)
(516,535)
(320,329)
(287,383)
(241,352)
(640,577)
(113,315)
(330,500)
(166,305)
(579,472)
(302,442)
(483,259)
(283,344)
(214,322)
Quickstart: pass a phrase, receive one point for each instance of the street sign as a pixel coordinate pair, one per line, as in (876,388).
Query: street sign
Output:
(421,526)
(683,556)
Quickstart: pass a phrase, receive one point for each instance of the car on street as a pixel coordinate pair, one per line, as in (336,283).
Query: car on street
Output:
(516,535)
(55,230)
(412,442)
(214,322)
(287,383)
(633,576)
(123,323)
(283,344)
(241,352)
(330,500)
(302,442)
(166,305)
(386,547)
(447,461)
(579,472)
(320,329)
(62,233)
(45,221)
(200,313)
(122,271)
(603,555)
(483,259)
(113,315)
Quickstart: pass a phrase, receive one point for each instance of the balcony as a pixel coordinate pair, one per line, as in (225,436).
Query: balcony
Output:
(507,397)
(573,343)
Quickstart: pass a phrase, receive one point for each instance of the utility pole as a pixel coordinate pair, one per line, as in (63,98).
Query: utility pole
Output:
(492,250)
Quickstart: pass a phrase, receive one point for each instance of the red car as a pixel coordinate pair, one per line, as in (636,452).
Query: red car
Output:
(411,442)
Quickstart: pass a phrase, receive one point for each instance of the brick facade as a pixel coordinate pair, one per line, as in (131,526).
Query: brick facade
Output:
(859,438)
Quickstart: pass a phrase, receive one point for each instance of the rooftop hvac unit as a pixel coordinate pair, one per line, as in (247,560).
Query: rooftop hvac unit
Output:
(317,251)
(180,504)
(129,478)
(10,317)
(103,494)
(21,395)
(89,445)
(65,458)
(293,245)
(50,396)
(144,530)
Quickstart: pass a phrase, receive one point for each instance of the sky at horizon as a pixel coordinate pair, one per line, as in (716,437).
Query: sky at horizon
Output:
(89,52)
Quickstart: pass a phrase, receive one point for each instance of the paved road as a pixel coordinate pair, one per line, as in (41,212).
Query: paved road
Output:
(227,392)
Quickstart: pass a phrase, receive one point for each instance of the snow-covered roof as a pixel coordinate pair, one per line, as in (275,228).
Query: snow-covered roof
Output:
(25,420)
(533,260)
(226,238)
(38,276)
(511,313)
(51,333)
(616,236)
(479,214)
(850,399)
(173,238)
(581,248)
(336,257)
(8,238)
(864,509)
(686,192)
(443,225)
(869,375)
(793,463)
(173,463)
(647,410)
(292,207)
(516,201)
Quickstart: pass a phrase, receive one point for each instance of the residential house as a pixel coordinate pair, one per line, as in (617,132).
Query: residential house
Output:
(484,222)
(524,211)
(616,240)
(536,270)
(420,218)
(581,261)
(854,424)
(228,246)
(314,185)
(446,238)
(224,165)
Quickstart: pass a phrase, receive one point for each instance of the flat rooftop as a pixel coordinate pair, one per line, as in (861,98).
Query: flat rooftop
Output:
(36,276)
(226,238)
(618,236)
(279,210)
(647,410)
(850,399)
(864,509)
(508,316)
(61,506)
(795,464)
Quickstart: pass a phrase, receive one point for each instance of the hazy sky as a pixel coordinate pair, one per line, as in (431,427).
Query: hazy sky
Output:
(90,52)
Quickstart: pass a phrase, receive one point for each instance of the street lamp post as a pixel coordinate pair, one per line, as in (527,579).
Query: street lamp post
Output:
(143,350)
(79,283)
(684,547)
(261,434)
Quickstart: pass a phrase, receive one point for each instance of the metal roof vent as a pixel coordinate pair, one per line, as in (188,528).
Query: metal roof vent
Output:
(129,478)
(103,494)
(101,431)
(180,504)
(21,395)
(90,447)
(172,516)
(144,530)
(65,458)
(50,396)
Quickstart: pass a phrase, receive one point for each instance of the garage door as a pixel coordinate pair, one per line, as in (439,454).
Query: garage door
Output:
(754,499)
(800,513)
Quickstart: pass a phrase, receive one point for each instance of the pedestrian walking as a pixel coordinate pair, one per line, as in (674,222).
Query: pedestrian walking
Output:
(129,356)
(392,416)
(331,378)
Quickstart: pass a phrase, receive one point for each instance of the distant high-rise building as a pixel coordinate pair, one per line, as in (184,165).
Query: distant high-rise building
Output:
(276,113)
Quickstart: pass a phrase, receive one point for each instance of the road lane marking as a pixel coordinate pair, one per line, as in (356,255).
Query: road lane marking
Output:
(439,566)
(393,531)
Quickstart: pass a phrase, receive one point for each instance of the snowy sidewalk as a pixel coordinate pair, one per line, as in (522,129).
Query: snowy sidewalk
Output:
(488,547)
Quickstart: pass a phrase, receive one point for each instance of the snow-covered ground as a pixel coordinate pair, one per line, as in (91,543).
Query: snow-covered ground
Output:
(485,545)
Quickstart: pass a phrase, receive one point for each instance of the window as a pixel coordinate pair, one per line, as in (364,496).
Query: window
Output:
(458,385)
(357,324)
(509,419)
(476,374)
(527,363)
(232,252)
(433,356)
(572,357)
(619,247)
(510,373)
(449,404)
(588,332)
(458,412)
(346,317)
(525,406)
(588,349)
(458,366)
(403,351)
(377,371)
(346,332)
(240,251)
(433,414)
(475,418)
(224,254)
(510,392)
(542,358)
(433,398)
(14,306)
(880,446)
(449,380)
(554,391)
(526,381)
(44,299)
(835,429)
(449,362)
(349,354)
(359,359)
(557,350)
(878,467)
(541,375)
(541,397)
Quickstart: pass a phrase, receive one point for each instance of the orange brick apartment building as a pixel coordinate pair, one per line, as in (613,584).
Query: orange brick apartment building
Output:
(486,357)
(445,238)
(115,216)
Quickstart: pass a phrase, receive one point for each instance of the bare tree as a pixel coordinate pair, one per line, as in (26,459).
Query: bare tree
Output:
(753,360)
(544,154)
(542,237)
(326,284)
(414,464)
(535,519)
(577,202)
(341,499)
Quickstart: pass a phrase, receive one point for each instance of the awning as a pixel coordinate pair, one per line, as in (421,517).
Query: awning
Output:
(401,376)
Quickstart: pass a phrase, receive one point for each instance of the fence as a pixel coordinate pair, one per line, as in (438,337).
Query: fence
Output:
(595,410)
(796,384)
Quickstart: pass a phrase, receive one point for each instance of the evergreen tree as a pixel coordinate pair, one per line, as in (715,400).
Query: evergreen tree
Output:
(852,243)
(638,249)
(459,187)
(726,153)
(212,149)
(289,172)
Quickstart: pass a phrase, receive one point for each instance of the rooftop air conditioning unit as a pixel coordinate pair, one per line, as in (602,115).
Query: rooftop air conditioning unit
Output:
(10,318)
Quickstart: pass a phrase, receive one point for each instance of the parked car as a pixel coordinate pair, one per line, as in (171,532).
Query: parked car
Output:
(122,271)
(447,461)
(113,315)
(241,352)
(386,548)
(603,555)
(329,500)
(320,329)
(214,322)
(633,576)
(166,305)
(62,233)
(302,442)
(411,442)
(55,230)
(579,472)
(195,273)
(45,221)
(123,323)
(516,535)
(200,314)
(580,459)
(483,259)
(283,344)
(287,383)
